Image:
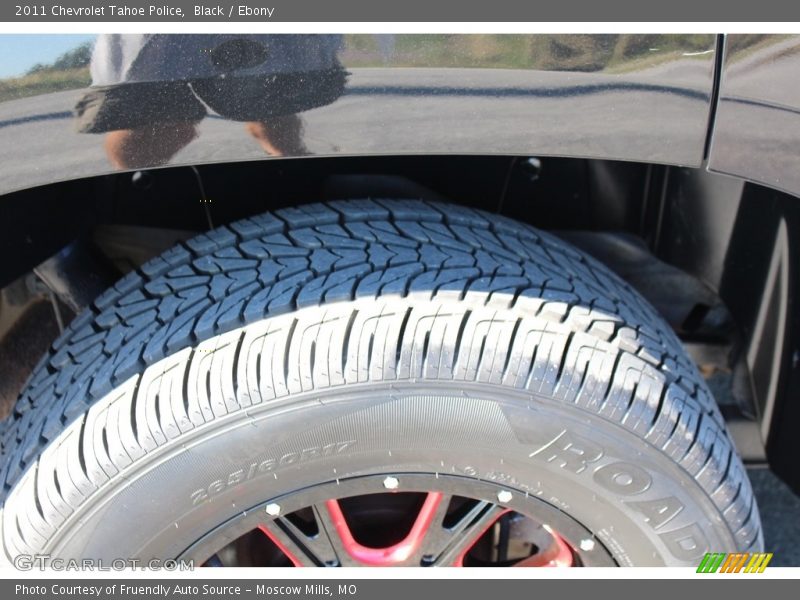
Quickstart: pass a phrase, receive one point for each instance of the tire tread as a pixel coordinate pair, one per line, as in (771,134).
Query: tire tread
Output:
(183,311)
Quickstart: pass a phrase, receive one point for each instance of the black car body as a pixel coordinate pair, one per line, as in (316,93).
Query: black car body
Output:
(673,159)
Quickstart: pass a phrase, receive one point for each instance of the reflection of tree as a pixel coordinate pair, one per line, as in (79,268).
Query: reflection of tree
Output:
(69,71)
(743,41)
(76,58)
(567,52)
(759,49)
(575,52)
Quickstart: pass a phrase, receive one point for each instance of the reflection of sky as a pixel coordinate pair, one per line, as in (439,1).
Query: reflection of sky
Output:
(18,53)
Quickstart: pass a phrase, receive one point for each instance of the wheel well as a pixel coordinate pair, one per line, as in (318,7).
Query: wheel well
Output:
(701,247)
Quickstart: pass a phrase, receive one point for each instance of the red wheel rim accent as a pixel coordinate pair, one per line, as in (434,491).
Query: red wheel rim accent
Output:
(438,528)
(295,561)
(395,554)
(459,561)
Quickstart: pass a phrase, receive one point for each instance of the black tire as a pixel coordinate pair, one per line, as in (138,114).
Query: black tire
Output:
(415,337)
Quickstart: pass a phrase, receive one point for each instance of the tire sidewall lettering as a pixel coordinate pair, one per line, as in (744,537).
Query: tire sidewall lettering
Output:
(625,481)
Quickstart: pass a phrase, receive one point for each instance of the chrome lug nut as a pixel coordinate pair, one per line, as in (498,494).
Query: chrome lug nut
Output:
(504,496)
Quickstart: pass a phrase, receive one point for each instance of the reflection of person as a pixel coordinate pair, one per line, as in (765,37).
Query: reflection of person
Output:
(149,92)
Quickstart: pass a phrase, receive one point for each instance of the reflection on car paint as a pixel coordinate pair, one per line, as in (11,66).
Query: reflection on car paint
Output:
(134,101)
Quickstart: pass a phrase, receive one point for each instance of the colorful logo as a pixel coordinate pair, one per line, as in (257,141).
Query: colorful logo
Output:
(740,562)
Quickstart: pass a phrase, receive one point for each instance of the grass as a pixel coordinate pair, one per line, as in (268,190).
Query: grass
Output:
(43,82)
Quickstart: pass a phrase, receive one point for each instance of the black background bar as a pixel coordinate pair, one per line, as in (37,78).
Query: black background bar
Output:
(405,11)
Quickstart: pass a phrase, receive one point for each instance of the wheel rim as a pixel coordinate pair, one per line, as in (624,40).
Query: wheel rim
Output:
(409,519)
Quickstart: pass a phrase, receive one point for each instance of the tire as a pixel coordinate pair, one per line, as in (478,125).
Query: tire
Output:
(364,338)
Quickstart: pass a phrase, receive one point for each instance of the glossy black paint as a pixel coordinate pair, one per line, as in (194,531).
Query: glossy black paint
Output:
(648,99)
(757,124)
(622,97)
(761,212)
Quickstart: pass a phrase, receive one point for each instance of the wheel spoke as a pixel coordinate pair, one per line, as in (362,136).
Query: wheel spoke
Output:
(436,537)
(456,523)
(447,546)
(558,554)
(331,526)
(302,549)
(405,552)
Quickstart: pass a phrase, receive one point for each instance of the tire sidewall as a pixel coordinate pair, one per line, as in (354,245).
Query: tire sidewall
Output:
(644,509)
